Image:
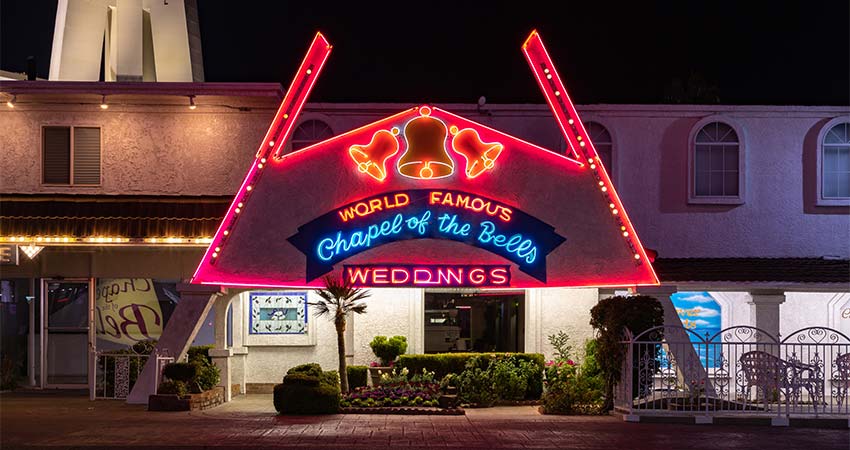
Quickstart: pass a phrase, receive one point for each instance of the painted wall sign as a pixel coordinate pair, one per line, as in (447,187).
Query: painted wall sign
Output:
(426,213)
(8,255)
(277,313)
(428,188)
(127,310)
(407,275)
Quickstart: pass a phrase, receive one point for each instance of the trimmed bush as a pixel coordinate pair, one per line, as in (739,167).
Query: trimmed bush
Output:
(357,376)
(306,389)
(298,399)
(387,350)
(173,387)
(199,353)
(208,377)
(443,364)
(311,369)
(529,365)
(185,372)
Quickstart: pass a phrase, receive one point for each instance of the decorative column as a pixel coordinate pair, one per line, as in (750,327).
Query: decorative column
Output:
(764,309)
(187,318)
(221,353)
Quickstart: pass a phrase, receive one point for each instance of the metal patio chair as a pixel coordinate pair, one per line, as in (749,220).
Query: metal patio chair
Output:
(774,376)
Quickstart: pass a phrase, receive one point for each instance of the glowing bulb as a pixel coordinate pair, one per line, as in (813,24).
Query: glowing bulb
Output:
(604,189)
(570,121)
(601,183)
(611,205)
(11,102)
(271,144)
(192,102)
(625,234)
(581,143)
(237,210)
(309,71)
(263,160)
(218,249)
(286,116)
(593,166)
(248,188)
(623,228)
(545,70)
(226,232)
(557,93)
(578,138)
(549,77)
(637,256)
(239,205)
(260,165)
(215,255)
(103,104)
(615,212)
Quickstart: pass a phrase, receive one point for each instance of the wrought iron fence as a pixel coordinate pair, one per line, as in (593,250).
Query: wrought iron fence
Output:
(739,370)
(116,372)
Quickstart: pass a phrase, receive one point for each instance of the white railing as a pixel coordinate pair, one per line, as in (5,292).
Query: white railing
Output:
(117,371)
(739,370)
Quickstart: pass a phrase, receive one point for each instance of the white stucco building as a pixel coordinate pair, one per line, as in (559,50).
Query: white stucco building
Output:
(111,191)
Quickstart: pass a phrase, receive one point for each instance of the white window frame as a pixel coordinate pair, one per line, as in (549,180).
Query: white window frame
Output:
(71,155)
(739,199)
(821,201)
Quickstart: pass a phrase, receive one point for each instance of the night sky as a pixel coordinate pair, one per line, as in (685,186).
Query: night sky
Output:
(734,52)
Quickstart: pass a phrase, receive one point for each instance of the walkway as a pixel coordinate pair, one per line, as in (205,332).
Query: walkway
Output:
(57,421)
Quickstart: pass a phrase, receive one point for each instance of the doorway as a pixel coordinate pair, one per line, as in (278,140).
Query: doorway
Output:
(66,338)
(469,321)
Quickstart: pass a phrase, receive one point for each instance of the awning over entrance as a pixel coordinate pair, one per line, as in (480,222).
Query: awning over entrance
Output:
(100,219)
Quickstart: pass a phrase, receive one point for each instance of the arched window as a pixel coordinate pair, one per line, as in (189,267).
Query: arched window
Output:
(717,164)
(310,132)
(835,163)
(603,144)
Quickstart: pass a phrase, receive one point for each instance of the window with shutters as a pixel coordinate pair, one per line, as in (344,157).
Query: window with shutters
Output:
(71,155)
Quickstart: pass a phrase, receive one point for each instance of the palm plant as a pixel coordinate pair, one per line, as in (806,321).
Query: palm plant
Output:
(340,298)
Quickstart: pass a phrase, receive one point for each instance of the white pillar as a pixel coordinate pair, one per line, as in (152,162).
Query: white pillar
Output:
(221,353)
(78,40)
(764,309)
(129,48)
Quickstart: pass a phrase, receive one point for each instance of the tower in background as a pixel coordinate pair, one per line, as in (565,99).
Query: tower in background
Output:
(133,40)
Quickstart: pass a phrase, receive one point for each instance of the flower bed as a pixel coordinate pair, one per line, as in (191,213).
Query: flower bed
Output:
(402,394)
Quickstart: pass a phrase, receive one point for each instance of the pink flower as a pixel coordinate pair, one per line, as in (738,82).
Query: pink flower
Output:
(570,362)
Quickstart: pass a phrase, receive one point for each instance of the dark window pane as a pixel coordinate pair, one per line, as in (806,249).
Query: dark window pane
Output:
(56,155)
(830,185)
(730,157)
(701,183)
(716,184)
(716,158)
(730,184)
(701,158)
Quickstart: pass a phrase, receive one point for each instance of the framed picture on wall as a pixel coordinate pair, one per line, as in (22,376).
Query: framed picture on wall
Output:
(277,313)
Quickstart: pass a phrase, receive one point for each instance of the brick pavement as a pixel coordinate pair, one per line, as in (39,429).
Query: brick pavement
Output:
(62,421)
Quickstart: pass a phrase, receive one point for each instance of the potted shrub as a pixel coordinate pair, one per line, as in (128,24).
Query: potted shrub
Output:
(387,350)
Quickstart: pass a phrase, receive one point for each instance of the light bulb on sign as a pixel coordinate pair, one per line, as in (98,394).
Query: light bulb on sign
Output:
(31,250)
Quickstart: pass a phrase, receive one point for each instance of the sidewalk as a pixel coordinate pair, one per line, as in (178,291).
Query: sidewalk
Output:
(249,422)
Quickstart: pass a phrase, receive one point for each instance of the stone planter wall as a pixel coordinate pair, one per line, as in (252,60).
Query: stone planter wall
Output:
(192,402)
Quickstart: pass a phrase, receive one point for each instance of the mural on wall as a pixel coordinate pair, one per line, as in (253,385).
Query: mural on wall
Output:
(278,313)
(700,313)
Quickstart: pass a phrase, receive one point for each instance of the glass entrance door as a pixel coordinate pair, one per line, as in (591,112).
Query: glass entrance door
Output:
(66,310)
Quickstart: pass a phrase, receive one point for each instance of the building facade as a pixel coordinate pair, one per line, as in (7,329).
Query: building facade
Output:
(123,185)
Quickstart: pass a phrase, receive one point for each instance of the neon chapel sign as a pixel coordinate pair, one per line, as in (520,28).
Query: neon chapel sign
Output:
(426,213)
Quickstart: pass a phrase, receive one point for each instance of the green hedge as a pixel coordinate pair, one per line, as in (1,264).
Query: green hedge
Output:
(357,376)
(306,389)
(443,364)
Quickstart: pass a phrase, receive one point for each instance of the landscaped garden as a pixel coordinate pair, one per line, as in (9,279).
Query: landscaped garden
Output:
(580,383)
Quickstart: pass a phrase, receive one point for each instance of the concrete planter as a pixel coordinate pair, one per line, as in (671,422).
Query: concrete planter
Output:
(376,372)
